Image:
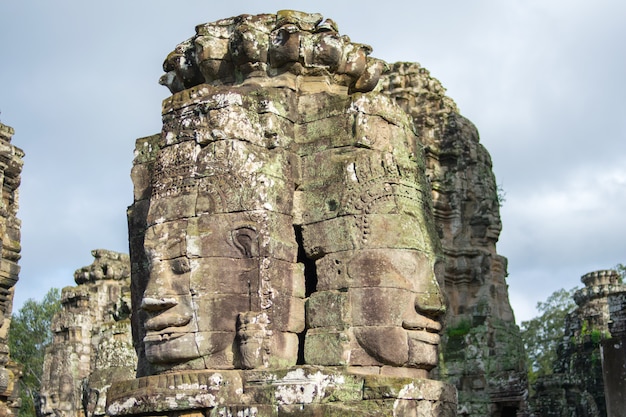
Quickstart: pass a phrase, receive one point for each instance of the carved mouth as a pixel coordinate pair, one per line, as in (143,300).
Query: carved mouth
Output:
(424,336)
(423,329)
(162,322)
(161,337)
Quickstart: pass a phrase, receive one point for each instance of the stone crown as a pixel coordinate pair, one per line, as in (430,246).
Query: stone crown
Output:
(230,51)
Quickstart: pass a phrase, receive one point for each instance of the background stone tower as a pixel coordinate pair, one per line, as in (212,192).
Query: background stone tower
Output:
(614,356)
(10,169)
(92,344)
(576,387)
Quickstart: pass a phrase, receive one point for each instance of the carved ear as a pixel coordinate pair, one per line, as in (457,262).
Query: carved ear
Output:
(246,240)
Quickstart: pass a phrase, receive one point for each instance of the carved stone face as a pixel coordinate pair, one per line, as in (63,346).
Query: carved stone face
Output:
(368,223)
(192,305)
(171,327)
(396,306)
(219,246)
(389,297)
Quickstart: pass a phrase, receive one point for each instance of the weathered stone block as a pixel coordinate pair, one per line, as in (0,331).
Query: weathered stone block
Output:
(320,106)
(180,204)
(328,309)
(325,133)
(330,236)
(391,306)
(287,313)
(218,312)
(166,240)
(327,347)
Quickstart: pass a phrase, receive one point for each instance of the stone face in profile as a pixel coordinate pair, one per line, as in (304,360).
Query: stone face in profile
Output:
(282,217)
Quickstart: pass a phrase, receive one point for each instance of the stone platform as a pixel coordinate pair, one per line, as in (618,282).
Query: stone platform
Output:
(296,391)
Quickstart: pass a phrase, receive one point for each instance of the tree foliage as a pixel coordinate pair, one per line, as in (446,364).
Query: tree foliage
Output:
(29,335)
(542,334)
(621,269)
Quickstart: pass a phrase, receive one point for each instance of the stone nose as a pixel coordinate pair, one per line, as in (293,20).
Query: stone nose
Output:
(430,305)
(430,301)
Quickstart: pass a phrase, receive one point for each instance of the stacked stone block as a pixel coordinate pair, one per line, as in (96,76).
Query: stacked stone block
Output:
(92,345)
(11,163)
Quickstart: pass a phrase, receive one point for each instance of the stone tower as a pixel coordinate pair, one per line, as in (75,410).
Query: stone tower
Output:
(481,349)
(577,387)
(92,345)
(614,356)
(284,255)
(10,169)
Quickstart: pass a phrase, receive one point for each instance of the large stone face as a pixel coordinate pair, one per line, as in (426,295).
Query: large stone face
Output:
(482,350)
(10,176)
(92,344)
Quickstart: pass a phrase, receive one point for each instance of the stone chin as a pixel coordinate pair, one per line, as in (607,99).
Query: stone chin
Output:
(399,347)
(423,353)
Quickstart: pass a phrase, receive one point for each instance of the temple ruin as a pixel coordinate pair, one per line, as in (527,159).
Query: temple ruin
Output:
(577,386)
(92,344)
(10,170)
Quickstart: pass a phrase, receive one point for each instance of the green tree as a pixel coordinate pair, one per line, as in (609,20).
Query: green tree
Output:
(542,334)
(621,269)
(29,335)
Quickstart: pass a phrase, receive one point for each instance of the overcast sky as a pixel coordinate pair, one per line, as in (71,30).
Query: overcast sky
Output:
(542,80)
